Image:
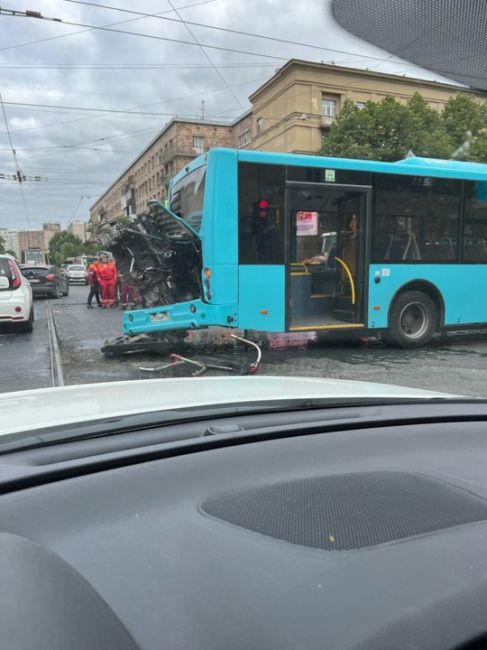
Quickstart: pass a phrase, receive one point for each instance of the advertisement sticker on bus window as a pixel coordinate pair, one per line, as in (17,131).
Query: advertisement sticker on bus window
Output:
(329,175)
(306,223)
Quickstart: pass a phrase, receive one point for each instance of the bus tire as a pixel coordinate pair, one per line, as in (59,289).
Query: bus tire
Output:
(413,319)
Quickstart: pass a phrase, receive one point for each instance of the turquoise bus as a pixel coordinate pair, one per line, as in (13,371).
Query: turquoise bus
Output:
(296,243)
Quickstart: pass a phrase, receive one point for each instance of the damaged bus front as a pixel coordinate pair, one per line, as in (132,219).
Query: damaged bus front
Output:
(182,263)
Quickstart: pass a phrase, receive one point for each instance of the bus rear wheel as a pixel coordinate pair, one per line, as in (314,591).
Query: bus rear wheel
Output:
(413,319)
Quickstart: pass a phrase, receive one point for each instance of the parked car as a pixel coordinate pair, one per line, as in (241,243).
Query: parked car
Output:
(16,302)
(47,280)
(77,274)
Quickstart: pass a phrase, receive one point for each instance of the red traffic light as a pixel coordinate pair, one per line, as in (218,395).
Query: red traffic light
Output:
(263,204)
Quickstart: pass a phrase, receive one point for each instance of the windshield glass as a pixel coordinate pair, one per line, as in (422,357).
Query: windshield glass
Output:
(227,190)
(187,197)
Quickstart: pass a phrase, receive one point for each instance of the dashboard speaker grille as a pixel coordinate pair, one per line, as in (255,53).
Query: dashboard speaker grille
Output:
(349,511)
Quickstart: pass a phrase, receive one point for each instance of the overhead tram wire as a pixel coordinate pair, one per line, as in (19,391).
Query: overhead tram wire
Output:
(17,167)
(207,56)
(83,31)
(221,29)
(182,41)
(168,101)
(380,59)
(125,112)
(128,66)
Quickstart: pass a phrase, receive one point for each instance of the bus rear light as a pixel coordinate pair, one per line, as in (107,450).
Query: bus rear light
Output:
(207,273)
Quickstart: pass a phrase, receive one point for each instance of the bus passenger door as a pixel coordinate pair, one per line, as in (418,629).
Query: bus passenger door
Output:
(326,268)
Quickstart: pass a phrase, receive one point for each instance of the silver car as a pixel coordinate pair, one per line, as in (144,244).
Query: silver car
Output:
(77,274)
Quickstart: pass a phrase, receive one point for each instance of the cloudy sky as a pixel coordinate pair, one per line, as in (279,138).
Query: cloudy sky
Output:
(82,102)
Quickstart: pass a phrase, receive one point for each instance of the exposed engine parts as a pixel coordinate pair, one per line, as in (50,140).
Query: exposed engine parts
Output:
(157,255)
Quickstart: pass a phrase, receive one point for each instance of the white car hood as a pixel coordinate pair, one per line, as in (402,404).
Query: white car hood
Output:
(37,409)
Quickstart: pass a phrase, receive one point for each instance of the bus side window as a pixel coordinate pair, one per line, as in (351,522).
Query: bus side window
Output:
(475,223)
(261,190)
(416,219)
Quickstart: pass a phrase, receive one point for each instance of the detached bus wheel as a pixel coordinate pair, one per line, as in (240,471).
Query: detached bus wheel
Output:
(413,319)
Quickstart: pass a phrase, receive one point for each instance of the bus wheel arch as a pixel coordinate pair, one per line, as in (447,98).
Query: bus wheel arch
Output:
(417,311)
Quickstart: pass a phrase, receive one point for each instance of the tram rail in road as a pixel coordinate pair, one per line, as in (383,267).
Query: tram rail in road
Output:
(55,359)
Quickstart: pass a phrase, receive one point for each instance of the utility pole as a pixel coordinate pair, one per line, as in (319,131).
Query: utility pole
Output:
(202,109)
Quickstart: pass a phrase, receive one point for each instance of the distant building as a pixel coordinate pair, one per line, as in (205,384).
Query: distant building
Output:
(31,239)
(11,239)
(37,238)
(49,230)
(78,229)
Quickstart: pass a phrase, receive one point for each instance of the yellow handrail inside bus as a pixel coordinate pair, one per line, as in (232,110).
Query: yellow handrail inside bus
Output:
(350,277)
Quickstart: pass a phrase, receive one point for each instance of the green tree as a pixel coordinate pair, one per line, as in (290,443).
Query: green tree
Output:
(463,117)
(9,251)
(2,245)
(478,148)
(64,244)
(388,130)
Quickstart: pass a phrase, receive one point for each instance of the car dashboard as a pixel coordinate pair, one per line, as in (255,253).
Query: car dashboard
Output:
(338,528)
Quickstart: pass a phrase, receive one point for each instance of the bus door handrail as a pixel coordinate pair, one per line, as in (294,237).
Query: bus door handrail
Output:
(350,277)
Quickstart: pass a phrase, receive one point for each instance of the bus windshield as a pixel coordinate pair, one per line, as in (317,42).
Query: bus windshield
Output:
(187,197)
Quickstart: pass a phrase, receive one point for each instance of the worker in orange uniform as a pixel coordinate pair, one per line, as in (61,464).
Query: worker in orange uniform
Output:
(107,277)
(92,272)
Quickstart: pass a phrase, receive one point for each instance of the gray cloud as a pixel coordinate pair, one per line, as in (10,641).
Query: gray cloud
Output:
(78,152)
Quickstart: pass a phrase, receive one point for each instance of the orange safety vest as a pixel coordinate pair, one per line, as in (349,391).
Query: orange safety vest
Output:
(107,272)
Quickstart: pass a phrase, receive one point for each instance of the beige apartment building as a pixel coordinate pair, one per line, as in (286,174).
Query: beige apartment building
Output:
(291,112)
(294,110)
(147,178)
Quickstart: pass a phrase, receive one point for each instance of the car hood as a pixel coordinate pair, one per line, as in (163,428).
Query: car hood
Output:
(37,409)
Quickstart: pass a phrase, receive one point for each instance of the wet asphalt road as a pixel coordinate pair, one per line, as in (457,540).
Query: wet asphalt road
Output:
(454,363)
(24,358)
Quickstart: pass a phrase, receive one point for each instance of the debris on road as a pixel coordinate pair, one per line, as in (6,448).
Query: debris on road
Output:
(204,365)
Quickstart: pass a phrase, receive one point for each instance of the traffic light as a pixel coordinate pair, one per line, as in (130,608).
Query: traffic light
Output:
(263,209)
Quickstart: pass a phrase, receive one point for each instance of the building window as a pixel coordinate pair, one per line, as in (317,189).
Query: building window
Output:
(260,125)
(244,138)
(328,107)
(198,144)
(360,105)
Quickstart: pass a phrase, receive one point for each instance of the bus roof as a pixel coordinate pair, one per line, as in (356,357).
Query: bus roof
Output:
(409,166)
(412,166)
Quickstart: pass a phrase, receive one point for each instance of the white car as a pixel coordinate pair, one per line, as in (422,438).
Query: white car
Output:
(16,302)
(77,273)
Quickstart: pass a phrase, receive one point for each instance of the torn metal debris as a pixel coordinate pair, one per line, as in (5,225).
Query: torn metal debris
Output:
(157,254)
